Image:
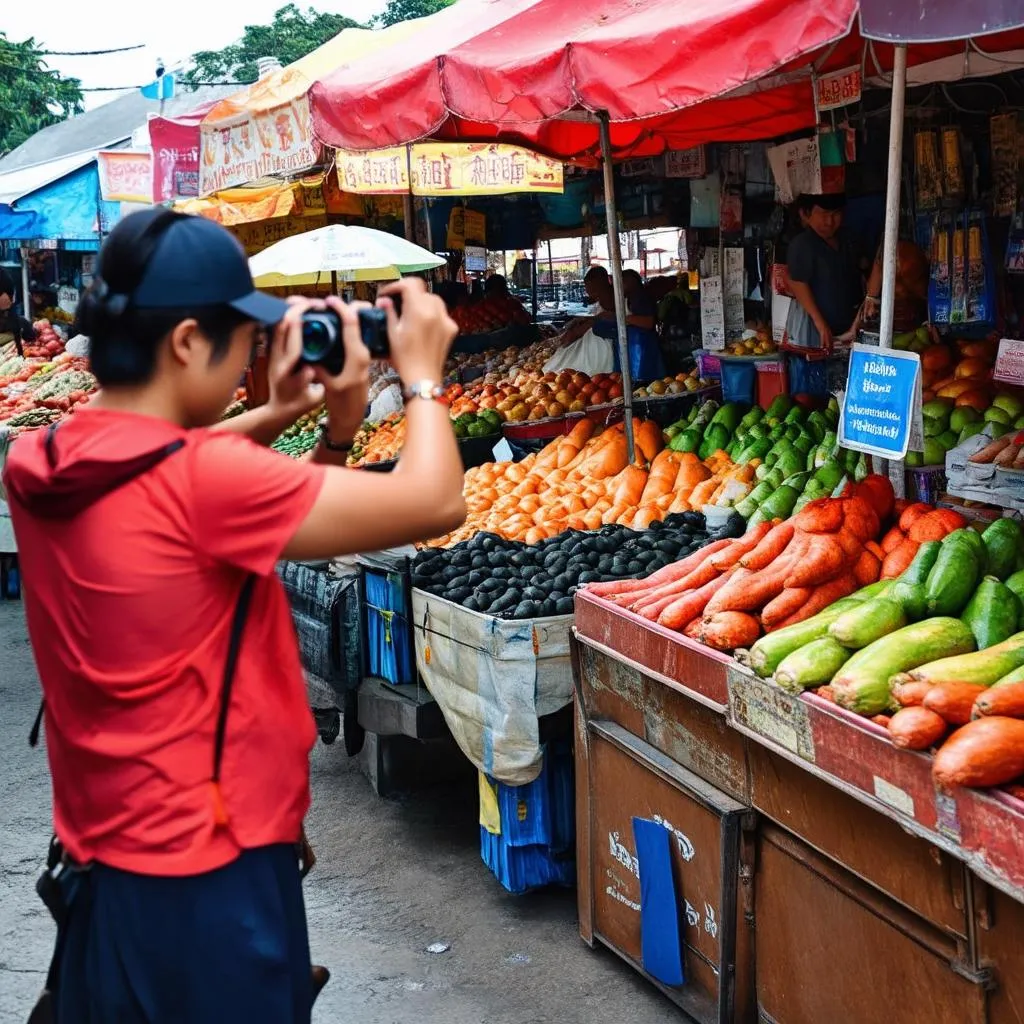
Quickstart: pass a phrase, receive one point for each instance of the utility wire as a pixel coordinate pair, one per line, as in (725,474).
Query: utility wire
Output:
(89,53)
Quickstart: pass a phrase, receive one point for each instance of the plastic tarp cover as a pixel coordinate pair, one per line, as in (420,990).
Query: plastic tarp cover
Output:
(493,679)
(325,610)
(71,208)
(20,223)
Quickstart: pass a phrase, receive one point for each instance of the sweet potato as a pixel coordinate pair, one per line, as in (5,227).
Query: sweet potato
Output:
(935,525)
(825,693)
(704,573)
(728,630)
(916,728)
(986,752)
(680,612)
(729,556)
(912,513)
(992,449)
(1006,699)
(861,519)
(893,539)
(821,597)
(909,693)
(898,560)
(823,561)
(749,591)
(823,515)
(771,545)
(653,609)
(954,701)
(692,629)
(882,720)
(788,603)
(867,568)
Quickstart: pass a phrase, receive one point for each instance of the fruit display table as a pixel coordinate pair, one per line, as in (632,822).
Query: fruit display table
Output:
(818,873)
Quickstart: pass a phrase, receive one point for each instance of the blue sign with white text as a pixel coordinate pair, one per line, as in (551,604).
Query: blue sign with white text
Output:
(882,387)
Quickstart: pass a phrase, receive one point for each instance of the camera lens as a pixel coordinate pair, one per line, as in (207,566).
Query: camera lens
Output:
(318,339)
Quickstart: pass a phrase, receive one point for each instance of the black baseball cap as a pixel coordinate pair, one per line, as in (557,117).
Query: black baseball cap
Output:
(197,263)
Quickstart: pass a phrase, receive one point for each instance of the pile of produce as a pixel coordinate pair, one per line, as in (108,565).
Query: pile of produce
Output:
(940,646)
(513,580)
(681,383)
(36,394)
(491,313)
(1007,452)
(477,424)
(302,436)
(775,576)
(531,396)
(757,341)
(582,481)
(48,343)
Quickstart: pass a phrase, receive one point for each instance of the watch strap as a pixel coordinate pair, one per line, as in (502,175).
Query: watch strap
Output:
(333,446)
(426,389)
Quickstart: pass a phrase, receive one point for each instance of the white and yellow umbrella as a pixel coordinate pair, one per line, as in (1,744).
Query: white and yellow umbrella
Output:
(339,252)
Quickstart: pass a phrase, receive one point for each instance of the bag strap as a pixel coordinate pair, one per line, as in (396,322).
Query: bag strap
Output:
(227,686)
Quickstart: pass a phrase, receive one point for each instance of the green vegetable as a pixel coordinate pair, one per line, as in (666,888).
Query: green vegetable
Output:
(812,665)
(953,577)
(729,416)
(1016,584)
(982,669)
(688,441)
(780,504)
(862,685)
(867,623)
(716,436)
(1002,542)
(992,613)
(780,406)
(768,652)
(909,590)
(757,450)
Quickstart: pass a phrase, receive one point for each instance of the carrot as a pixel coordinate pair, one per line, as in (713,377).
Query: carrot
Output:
(898,561)
(704,573)
(769,547)
(824,515)
(675,571)
(912,513)
(823,561)
(788,603)
(680,612)
(728,630)
(991,450)
(823,596)
(728,557)
(893,539)
(749,591)
(867,568)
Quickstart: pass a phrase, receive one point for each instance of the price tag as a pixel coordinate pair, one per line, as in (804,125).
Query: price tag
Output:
(712,314)
(503,451)
(1010,362)
(882,401)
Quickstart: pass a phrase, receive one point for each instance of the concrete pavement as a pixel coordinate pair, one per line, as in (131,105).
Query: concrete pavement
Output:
(392,878)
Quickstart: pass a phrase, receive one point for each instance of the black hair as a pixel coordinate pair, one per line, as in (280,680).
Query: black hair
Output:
(6,283)
(496,284)
(632,274)
(829,201)
(594,273)
(124,339)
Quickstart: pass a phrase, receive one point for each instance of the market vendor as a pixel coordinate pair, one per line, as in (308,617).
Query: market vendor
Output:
(641,311)
(824,273)
(911,305)
(496,286)
(10,322)
(598,288)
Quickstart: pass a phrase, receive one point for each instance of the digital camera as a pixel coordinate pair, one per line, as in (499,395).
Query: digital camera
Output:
(322,343)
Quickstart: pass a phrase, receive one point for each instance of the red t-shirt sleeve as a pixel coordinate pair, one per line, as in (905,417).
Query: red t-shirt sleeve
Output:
(248,501)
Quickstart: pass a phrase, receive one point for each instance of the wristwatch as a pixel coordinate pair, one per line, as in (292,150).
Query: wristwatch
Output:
(427,389)
(332,446)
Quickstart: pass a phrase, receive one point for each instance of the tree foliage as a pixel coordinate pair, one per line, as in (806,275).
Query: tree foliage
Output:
(32,96)
(404,10)
(292,34)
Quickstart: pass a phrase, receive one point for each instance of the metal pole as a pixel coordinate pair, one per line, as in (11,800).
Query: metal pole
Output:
(26,307)
(615,258)
(892,224)
(407,209)
(551,273)
(533,282)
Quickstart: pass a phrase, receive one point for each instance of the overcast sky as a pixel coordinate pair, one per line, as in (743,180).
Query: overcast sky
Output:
(171,37)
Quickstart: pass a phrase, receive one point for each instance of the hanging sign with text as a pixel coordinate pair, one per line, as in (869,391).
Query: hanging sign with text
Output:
(882,400)
(1010,362)
(126,176)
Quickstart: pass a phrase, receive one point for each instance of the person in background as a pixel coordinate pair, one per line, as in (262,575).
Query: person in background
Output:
(911,291)
(824,273)
(183,882)
(598,288)
(640,309)
(10,322)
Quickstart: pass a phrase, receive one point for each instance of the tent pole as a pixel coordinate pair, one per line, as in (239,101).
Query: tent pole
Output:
(892,225)
(615,258)
(407,207)
(26,306)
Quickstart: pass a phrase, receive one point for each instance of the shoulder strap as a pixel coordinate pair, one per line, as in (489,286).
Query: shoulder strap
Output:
(234,646)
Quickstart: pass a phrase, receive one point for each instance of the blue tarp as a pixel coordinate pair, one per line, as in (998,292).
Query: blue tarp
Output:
(19,224)
(66,209)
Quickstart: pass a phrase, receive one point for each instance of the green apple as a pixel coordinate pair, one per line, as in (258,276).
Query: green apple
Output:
(1010,404)
(970,430)
(948,440)
(962,416)
(934,452)
(996,415)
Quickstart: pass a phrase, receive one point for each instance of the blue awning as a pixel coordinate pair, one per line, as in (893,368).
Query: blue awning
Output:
(20,224)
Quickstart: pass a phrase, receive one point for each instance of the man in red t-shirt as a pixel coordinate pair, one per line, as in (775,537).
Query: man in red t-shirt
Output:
(139,521)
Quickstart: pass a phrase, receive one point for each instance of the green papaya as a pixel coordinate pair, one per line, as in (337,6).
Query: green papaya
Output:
(812,665)
(729,416)
(829,474)
(867,623)
(795,415)
(1002,540)
(910,591)
(953,578)
(688,441)
(780,406)
(780,503)
(1016,584)
(757,450)
(992,613)
(754,415)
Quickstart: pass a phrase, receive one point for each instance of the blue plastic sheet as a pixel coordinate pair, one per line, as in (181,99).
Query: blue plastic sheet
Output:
(661,943)
(18,224)
(70,208)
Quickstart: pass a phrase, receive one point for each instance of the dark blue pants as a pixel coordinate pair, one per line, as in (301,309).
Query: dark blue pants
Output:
(227,946)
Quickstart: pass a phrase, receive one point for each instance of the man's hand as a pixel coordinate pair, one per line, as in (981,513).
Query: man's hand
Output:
(825,333)
(347,394)
(294,389)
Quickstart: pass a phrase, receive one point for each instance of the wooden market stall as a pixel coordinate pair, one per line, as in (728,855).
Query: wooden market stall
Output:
(819,873)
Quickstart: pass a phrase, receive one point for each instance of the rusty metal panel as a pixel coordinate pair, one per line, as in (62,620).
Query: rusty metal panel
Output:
(909,869)
(1000,940)
(693,734)
(832,949)
(629,778)
(661,653)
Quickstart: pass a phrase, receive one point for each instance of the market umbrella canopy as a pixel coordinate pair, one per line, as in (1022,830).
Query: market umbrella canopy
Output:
(352,253)
(512,65)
